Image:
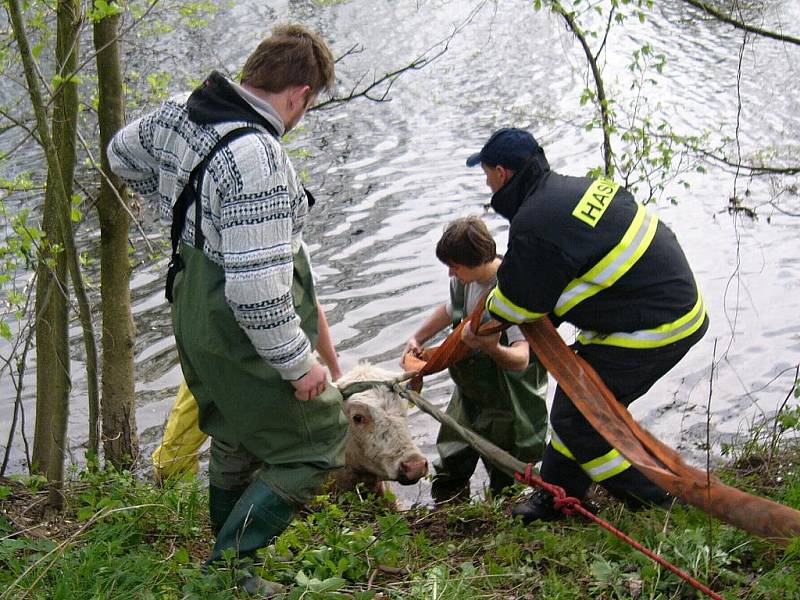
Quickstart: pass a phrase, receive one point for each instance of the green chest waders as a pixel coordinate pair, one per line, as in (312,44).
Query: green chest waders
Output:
(241,398)
(243,402)
(507,408)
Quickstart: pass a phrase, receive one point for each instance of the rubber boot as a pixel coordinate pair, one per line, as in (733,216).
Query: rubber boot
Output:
(537,507)
(259,516)
(220,505)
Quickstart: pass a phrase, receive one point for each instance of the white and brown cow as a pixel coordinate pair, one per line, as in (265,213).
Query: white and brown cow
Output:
(379,444)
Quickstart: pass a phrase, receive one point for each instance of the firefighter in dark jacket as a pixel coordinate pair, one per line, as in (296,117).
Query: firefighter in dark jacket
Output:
(584,251)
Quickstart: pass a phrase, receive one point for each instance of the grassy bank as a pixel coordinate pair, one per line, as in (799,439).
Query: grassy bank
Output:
(122,537)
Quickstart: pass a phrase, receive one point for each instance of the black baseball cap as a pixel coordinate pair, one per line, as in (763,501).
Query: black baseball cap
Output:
(509,147)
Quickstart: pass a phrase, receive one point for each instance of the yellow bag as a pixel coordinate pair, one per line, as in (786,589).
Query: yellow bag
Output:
(180,446)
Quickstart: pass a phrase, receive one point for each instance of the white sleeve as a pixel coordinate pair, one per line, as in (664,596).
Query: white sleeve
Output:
(257,226)
(133,159)
(514,334)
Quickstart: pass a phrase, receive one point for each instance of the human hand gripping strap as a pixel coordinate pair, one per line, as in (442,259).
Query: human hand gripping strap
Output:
(452,350)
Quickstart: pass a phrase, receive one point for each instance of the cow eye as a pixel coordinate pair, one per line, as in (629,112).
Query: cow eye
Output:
(358,419)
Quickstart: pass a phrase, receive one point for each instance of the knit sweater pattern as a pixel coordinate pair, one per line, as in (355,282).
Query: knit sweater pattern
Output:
(254,210)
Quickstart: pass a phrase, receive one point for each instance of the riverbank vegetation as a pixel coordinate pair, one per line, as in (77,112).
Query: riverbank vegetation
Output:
(120,536)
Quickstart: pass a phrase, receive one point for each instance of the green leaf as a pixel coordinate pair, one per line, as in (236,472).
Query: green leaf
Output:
(103,9)
(182,556)
(14,297)
(57,80)
(328,585)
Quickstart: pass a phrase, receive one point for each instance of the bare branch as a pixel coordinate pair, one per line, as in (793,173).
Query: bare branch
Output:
(389,78)
(783,211)
(17,123)
(775,434)
(720,16)
(354,49)
(754,170)
(605,36)
(18,382)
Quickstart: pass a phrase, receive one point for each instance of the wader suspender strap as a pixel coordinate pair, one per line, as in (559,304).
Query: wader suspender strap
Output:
(460,308)
(459,305)
(191,193)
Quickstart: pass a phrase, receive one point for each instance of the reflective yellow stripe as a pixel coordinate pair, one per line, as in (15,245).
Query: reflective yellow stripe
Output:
(614,264)
(595,201)
(606,466)
(657,337)
(501,306)
(598,469)
(558,445)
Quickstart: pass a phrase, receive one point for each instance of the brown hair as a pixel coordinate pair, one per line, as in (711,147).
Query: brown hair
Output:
(466,242)
(292,55)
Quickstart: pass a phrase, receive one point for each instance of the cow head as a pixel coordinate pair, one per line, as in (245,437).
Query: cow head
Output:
(379,441)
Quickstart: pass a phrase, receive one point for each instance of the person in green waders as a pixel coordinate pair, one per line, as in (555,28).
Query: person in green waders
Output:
(500,387)
(244,309)
(179,452)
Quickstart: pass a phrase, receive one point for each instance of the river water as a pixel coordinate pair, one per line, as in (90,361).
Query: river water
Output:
(388,176)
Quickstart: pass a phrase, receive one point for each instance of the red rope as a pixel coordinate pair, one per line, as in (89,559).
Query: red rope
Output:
(570,505)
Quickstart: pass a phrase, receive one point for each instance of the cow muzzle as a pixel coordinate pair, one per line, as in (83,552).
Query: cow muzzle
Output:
(412,469)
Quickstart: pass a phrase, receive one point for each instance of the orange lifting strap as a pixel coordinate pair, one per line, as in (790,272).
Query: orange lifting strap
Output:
(452,350)
(657,461)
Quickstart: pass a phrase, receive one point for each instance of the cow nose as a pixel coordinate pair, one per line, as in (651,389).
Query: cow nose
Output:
(414,468)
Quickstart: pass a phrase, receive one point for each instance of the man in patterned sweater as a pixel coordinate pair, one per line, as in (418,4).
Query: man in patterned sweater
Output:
(244,307)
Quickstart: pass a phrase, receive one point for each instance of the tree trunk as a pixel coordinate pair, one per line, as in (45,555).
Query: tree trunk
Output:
(53,382)
(52,295)
(120,442)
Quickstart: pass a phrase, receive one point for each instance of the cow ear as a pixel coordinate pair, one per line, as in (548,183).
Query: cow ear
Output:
(358,413)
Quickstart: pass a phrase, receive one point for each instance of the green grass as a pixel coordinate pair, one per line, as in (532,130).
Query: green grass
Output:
(122,537)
